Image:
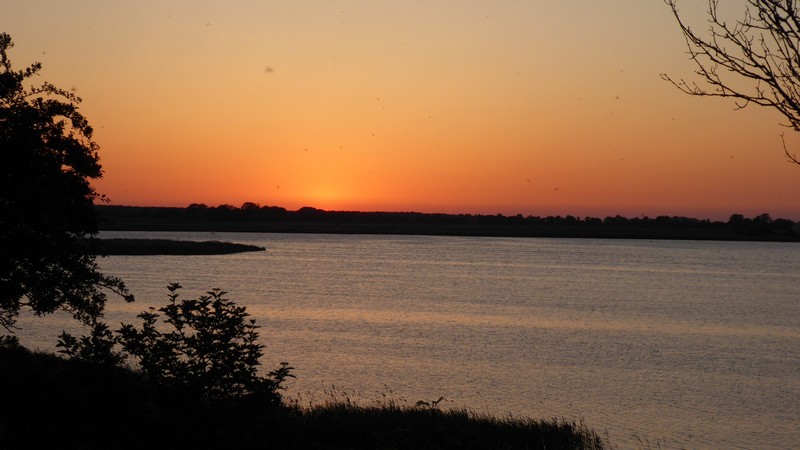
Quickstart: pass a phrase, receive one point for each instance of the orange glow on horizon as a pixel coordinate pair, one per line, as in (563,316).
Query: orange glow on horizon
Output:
(459,108)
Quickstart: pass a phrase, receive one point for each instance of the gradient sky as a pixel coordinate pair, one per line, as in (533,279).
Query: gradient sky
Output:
(531,107)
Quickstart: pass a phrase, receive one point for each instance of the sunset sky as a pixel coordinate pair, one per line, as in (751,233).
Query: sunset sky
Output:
(530,107)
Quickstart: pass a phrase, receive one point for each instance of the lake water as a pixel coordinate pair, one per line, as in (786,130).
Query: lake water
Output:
(673,343)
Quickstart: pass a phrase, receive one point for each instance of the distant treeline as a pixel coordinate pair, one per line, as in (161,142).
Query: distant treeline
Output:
(252,217)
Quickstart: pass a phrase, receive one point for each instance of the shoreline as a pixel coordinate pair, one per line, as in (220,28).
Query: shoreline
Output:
(138,247)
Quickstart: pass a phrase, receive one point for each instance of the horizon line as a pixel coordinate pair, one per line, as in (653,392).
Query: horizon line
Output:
(579,217)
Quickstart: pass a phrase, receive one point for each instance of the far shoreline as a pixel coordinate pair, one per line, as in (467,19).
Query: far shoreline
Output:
(310,220)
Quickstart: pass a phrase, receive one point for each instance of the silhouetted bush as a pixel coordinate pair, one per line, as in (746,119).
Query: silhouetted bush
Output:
(96,348)
(211,353)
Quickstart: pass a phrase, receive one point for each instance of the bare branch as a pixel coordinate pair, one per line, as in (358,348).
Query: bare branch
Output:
(762,48)
(790,156)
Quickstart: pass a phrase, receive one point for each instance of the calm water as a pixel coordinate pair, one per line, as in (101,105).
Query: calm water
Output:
(682,344)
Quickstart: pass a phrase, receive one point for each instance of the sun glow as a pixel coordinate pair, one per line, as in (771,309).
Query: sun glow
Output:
(326,197)
(374,106)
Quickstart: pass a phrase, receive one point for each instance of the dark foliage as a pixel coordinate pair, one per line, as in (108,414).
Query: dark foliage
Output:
(69,404)
(51,402)
(345,425)
(97,348)
(209,352)
(46,201)
(311,220)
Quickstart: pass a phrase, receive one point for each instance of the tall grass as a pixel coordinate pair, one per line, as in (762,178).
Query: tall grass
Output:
(347,420)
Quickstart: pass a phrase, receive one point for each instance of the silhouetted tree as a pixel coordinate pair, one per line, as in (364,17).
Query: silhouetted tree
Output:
(763,218)
(46,202)
(762,48)
(736,220)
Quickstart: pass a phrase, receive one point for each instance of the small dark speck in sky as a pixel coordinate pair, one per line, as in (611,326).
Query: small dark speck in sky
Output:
(555,189)
(269,69)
